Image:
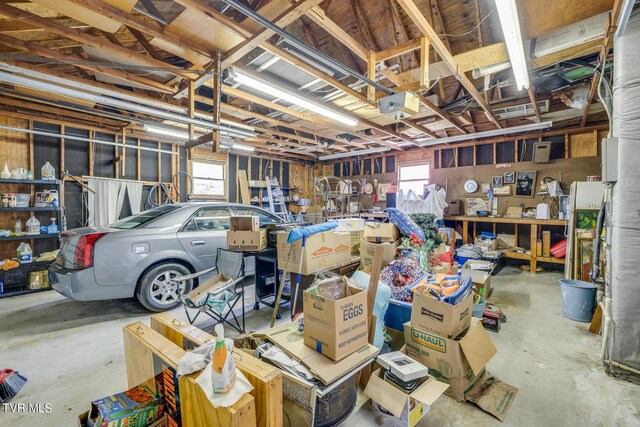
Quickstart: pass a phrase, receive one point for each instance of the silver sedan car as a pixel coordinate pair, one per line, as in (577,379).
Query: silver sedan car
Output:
(138,256)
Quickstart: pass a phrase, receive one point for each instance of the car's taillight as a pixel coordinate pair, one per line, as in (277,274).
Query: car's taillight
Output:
(84,250)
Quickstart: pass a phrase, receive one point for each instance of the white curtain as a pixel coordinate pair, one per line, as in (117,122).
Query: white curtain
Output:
(134,191)
(105,205)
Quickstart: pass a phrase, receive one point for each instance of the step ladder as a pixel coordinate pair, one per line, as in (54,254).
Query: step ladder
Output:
(275,197)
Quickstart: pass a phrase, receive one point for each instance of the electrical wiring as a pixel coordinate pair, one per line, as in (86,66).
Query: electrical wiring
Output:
(163,195)
(177,187)
(471,30)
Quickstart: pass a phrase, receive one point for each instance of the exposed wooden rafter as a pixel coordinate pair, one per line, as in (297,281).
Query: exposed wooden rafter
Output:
(420,21)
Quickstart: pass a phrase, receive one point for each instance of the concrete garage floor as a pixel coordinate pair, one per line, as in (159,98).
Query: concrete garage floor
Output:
(72,353)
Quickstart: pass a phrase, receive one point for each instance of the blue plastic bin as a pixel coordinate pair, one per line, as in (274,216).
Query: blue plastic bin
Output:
(578,300)
(398,313)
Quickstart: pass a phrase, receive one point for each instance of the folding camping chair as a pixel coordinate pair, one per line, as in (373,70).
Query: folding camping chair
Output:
(218,296)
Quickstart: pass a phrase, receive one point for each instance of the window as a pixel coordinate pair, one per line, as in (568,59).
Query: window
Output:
(264,217)
(208,179)
(142,218)
(209,219)
(413,177)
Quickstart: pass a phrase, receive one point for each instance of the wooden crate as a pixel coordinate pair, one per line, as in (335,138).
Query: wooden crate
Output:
(265,379)
(144,348)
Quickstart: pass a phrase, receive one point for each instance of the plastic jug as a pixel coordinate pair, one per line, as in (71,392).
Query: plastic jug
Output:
(25,254)
(223,372)
(48,171)
(52,228)
(33,226)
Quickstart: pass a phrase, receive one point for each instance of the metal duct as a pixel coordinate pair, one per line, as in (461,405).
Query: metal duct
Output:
(622,307)
(98,98)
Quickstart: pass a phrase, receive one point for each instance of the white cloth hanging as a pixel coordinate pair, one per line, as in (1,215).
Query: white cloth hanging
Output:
(436,201)
(103,203)
(134,192)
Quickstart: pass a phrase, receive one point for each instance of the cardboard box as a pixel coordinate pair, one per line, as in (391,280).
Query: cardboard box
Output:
(319,253)
(408,408)
(217,281)
(289,339)
(368,250)
(244,223)
(336,328)
(506,241)
(84,417)
(136,407)
(247,240)
(356,236)
(342,247)
(480,277)
(452,358)
(379,232)
(350,224)
(488,243)
(440,318)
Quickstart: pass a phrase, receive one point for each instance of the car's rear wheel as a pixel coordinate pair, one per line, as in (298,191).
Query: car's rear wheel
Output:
(158,291)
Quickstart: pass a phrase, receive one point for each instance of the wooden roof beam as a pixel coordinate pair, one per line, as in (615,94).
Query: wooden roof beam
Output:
(532,96)
(614,17)
(420,21)
(140,24)
(87,39)
(33,48)
(318,15)
(288,16)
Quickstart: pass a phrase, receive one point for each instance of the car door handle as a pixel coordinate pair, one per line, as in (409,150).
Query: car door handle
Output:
(198,242)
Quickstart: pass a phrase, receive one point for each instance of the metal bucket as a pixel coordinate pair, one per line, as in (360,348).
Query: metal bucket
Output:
(578,300)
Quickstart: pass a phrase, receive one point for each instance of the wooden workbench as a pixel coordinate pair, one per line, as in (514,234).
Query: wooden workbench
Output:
(535,225)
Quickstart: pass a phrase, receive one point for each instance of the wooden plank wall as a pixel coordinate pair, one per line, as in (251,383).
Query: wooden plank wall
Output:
(289,173)
(79,158)
(581,159)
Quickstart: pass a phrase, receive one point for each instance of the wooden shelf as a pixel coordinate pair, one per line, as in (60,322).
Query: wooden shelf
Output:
(29,237)
(517,255)
(504,220)
(30,209)
(55,182)
(550,259)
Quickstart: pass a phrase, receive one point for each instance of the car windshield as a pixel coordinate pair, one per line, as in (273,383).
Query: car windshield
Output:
(142,218)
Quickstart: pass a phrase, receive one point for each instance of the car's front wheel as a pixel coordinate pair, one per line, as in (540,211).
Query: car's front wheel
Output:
(158,291)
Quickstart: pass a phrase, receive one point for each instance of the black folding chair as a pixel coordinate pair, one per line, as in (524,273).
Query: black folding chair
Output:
(218,296)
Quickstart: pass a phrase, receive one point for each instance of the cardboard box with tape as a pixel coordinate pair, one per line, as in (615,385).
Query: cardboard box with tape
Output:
(461,363)
(342,247)
(441,318)
(319,253)
(368,250)
(245,234)
(480,273)
(335,318)
(378,232)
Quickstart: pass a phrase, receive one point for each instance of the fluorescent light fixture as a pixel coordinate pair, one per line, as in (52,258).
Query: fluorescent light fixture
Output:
(490,69)
(355,153)
(423,142)
(254,83)
(243,147)
(183,136)
(508,12)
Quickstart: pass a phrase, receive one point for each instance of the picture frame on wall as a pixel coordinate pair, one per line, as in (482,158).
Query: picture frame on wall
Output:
(502,191)
(496,181)
(509,178)
(525,183)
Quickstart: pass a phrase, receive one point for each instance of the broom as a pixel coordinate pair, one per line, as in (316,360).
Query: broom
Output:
(10,384)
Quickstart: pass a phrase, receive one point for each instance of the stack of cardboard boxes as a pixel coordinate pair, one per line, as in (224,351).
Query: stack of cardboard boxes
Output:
(456,349)
(322,251)
(245,234)
(385,235)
